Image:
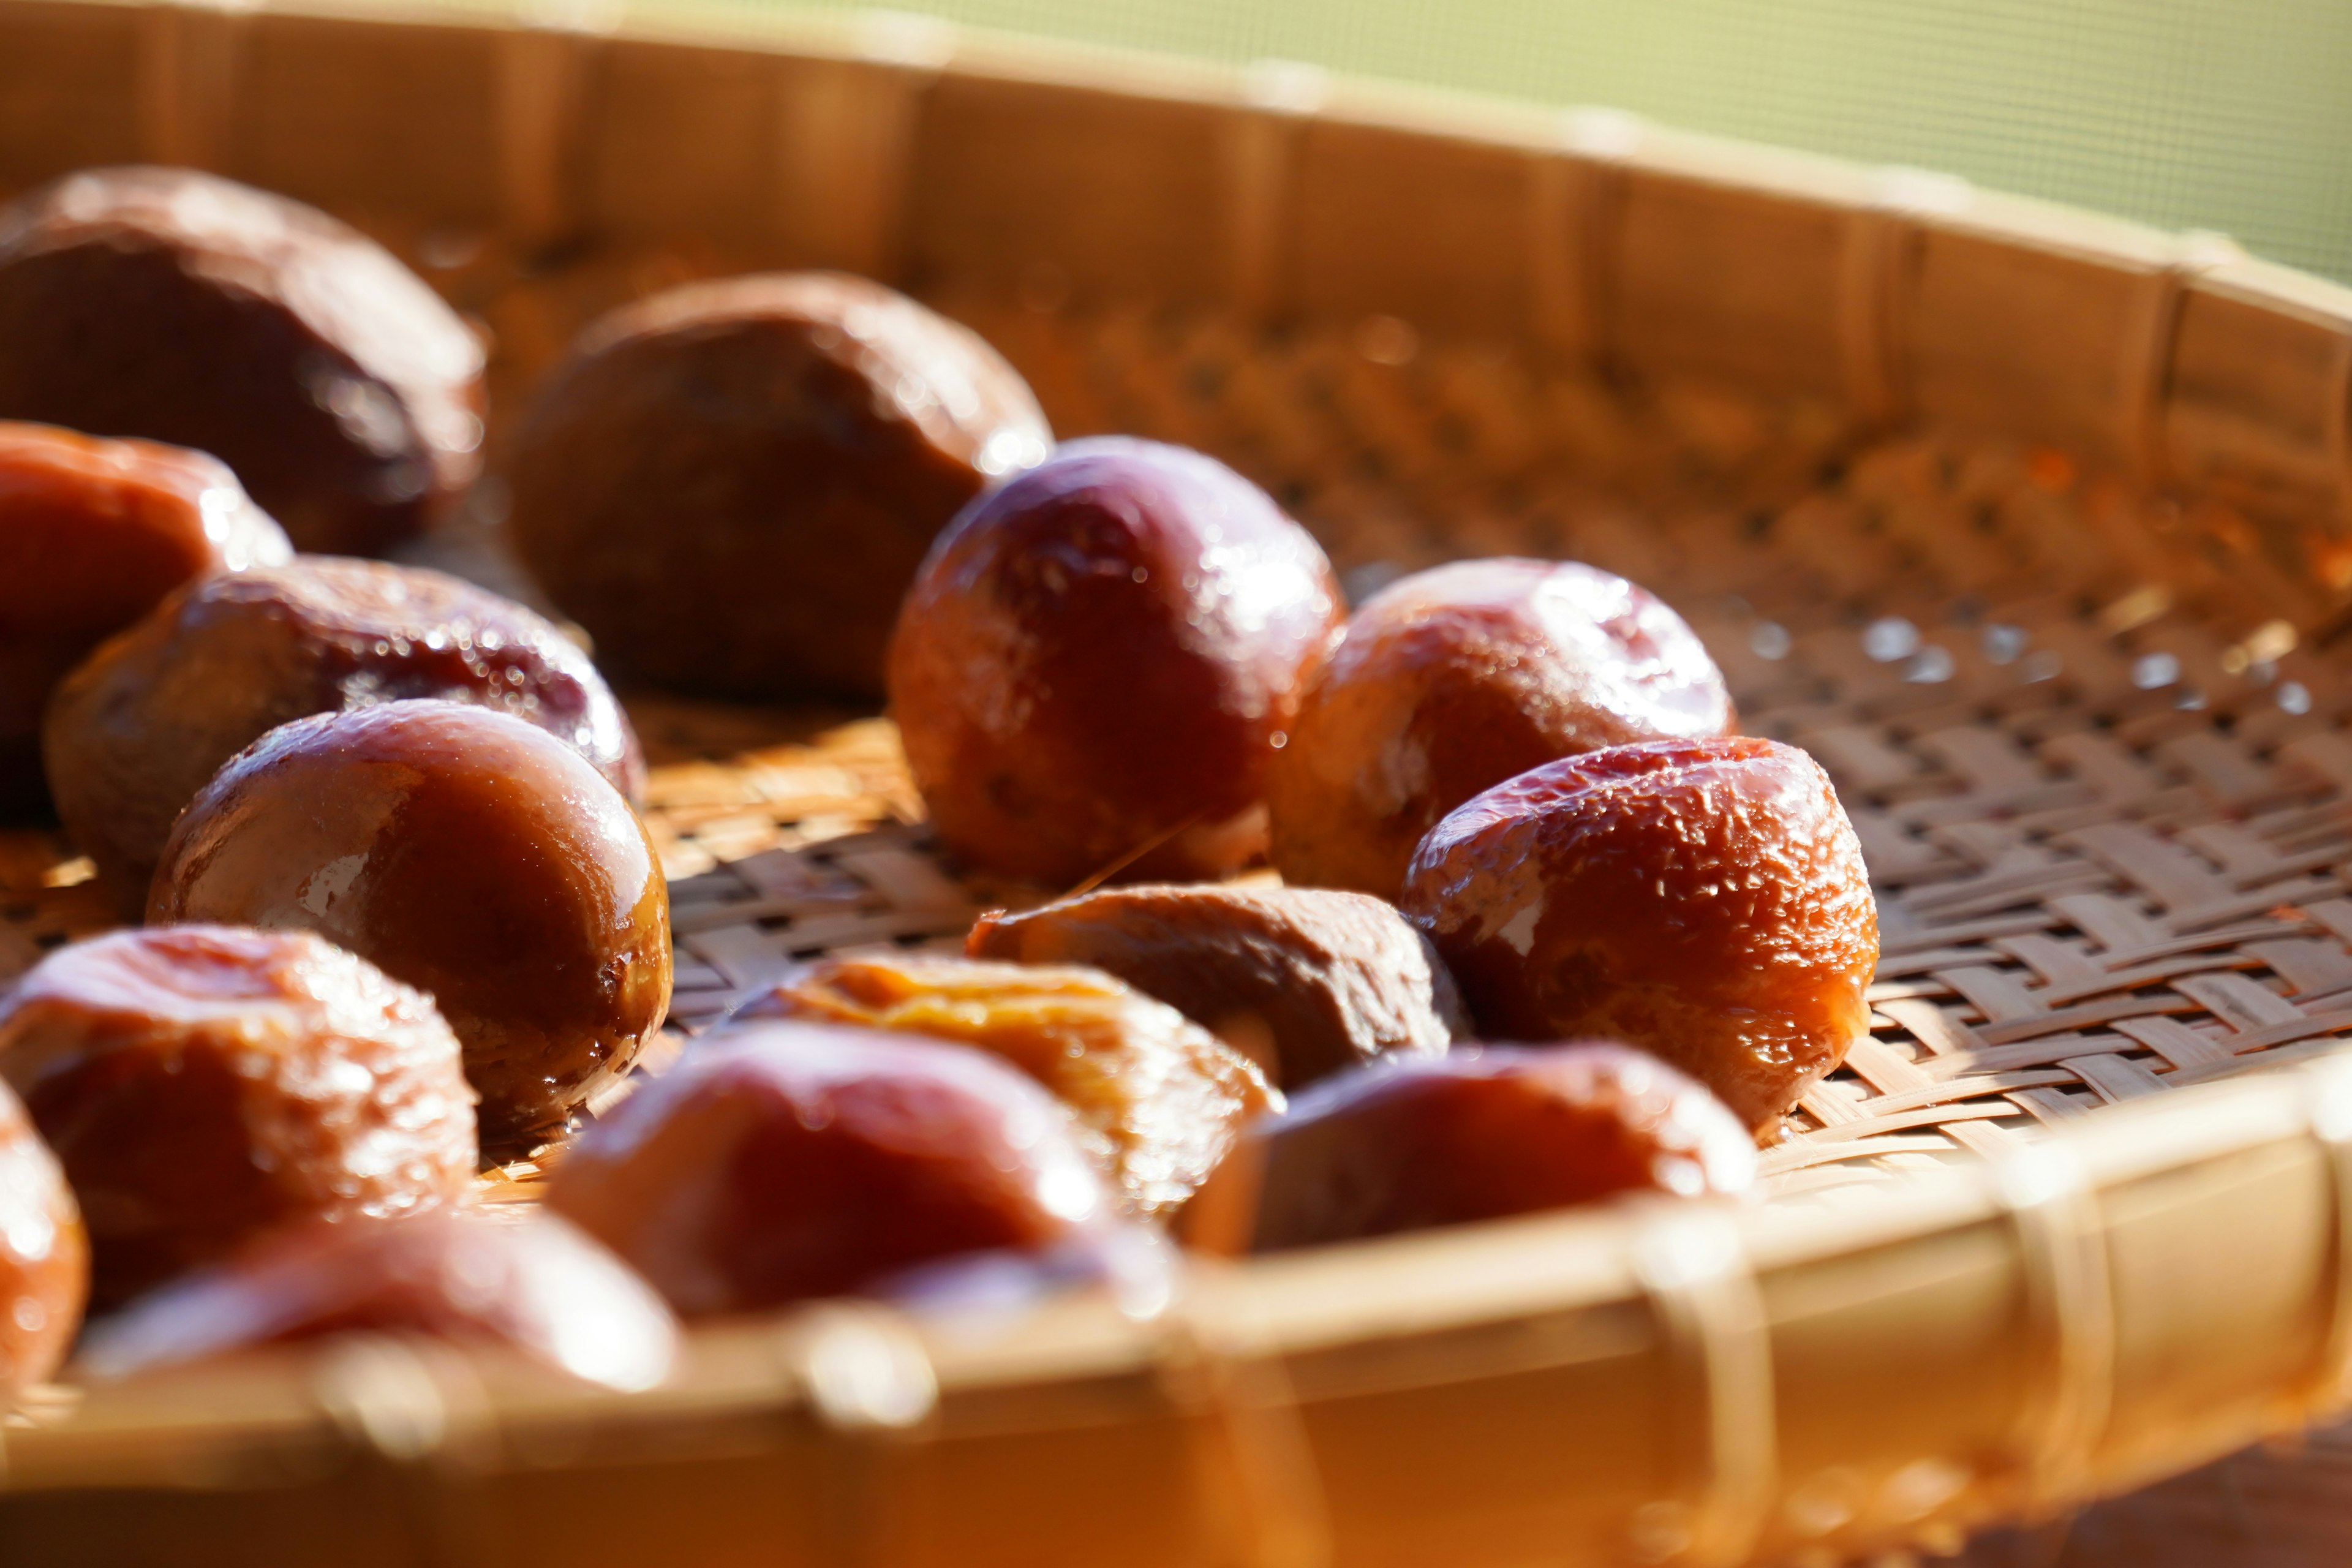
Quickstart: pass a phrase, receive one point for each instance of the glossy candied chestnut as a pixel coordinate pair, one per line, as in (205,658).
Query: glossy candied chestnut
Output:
(473,1277)
(92,534)
(732,484)
(779,1162)
(44,1256)
(1159,1098)
(1454,679)
(1483,1134)
(1703,899)
(1303,981)
(139,729)
(185,308)
(202,1085)
(1101,658)
(466,854)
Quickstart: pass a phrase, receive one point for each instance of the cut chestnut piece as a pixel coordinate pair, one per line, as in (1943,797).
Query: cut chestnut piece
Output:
(1159,1098)
(1304,981)
(1099,659)
(1703,899)
(1482,1133)
(186,308)
(202,1085)
(93,534)
(732,484)
(1455,679)
(136,732)
(779,1162)
(43,1255)
(468,854)
(530,1280)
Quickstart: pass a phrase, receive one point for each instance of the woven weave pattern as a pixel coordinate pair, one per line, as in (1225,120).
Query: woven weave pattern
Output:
(2089,736)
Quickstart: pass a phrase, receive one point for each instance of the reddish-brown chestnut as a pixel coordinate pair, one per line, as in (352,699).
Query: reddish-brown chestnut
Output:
(43,1255)
(1704,900)
(203,1085)
(1099,659)
(1454,679)
(779,1162)
(468,854)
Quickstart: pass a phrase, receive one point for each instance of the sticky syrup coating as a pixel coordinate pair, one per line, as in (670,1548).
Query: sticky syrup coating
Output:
(143,724)
(185,308)
(778,1161)
(1099,659)
(1304,981)
(43,1255)
(202,1085)
(1484,1132)
(529,1280)
(732,484)
(1159,1099)
(1703,899)
(1454,679)
(92,534)
(465,853)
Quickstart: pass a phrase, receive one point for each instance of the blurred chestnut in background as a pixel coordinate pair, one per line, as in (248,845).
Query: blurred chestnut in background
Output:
(1481,1133)
(730,484)
(44,1256)
(465,853)
(202,1085)
(139,728)
(1099,660)
(1456,678)
(1303,981)
(92,534)
(1703,899)
(779,1162)
(185,308)
(1159,1098)
(527,1279)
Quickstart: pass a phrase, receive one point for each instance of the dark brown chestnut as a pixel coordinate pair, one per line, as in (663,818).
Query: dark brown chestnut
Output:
(43,1255)
(1703,899)
(779,1162)
(468,854)
(730,484)
(92,534)
(1484,1133)
(1303,981)
(473,1277)
(1101,658)
(1455,679)
(186,308)
(202,1085)
(139,729)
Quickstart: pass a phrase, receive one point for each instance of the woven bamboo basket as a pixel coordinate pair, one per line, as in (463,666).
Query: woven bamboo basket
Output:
(2035,527)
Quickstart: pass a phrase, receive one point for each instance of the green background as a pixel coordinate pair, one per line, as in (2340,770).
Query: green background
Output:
(2233,115)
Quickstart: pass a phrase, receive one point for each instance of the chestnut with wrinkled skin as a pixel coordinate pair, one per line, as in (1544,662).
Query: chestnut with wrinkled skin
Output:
(1099,660)
(1485,1132)
(1303,981)
(465,853)
(1703,899)
(1455,679)
(140,727)
(92,534)
(44,1256)
(530,1280)
(1159,1098)
(779,1162)
(732,484)
(185,308)
(202,1085)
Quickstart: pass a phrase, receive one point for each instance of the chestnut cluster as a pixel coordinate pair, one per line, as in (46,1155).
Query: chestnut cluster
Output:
(1546,929)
